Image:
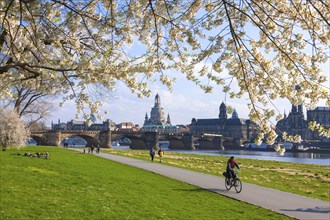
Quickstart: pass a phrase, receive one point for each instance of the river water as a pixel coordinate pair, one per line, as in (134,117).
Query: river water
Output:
(294,157)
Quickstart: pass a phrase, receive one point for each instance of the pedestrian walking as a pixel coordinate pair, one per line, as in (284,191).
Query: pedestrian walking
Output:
(161,154)
(152,154)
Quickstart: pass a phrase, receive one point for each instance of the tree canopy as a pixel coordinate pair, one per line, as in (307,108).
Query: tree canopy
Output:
(265,47)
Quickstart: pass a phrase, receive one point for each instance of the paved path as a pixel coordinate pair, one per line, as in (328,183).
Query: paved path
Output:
(289,204)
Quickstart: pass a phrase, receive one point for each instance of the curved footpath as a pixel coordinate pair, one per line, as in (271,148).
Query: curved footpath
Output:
(289,204)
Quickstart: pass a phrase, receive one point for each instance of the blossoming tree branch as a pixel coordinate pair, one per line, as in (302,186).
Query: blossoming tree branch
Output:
(266,48)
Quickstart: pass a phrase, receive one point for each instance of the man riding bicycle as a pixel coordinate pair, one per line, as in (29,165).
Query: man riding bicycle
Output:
(231,164)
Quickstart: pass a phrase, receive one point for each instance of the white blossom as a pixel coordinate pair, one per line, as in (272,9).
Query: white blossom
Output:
(267,47)
(13,132)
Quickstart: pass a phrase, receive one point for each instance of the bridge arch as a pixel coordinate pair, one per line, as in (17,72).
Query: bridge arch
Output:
(208,142)
(39,139)
(90,140)
(121,139)
(136,140)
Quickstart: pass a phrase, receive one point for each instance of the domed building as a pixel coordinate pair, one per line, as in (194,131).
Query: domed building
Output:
(157,116)
(157,122)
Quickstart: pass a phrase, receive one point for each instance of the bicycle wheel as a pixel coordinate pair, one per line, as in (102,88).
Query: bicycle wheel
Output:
(238,185)
(228,184)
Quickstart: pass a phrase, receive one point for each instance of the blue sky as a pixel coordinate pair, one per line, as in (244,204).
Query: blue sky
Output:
(187,101)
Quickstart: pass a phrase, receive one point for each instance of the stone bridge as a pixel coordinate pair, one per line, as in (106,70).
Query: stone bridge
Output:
(139,140)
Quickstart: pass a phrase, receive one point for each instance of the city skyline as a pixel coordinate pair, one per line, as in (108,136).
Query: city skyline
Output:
(185,102)
(127,107)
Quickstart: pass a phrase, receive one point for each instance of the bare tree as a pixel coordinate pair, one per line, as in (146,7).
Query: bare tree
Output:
(30,104)
(38,126)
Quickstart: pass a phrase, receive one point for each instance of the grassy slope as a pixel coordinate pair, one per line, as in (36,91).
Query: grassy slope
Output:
(79,186)
(303,179)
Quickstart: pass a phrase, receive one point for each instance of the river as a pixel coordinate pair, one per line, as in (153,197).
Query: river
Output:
(294,157)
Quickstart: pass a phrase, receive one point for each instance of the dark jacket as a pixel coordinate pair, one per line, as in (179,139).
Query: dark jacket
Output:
(231,164)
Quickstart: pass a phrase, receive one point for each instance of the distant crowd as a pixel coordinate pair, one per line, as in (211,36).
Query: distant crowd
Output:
(91,148)
(35,155)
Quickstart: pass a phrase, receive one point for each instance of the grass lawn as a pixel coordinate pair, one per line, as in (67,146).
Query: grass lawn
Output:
(303,179)
(71,185)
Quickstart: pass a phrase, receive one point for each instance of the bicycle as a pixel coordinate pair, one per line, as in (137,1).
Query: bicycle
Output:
(236,183)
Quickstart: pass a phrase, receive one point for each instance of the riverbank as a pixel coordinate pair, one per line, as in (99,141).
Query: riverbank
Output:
(289,204)
(294,157)
(73,185)
(303,179)
(293,150)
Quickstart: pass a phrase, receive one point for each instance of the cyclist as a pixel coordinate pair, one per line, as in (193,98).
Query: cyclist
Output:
(231,164)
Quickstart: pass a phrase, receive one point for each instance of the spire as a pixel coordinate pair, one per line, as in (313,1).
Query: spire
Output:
(168,119)
(157,100)
(146,118)
(234,115)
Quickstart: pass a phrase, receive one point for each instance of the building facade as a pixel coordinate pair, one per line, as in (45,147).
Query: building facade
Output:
(82,125)
(320,115)
(296,123)
(293,124)
(127,127)
(233,127)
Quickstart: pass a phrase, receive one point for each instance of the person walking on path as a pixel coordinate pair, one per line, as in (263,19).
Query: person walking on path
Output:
(161,154)
(152,154)
(98,149)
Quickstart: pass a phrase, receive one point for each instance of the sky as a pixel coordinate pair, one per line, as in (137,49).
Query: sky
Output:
(185,102)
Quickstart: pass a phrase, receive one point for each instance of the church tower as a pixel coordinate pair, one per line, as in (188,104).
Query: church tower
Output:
(157,116)
(223,111)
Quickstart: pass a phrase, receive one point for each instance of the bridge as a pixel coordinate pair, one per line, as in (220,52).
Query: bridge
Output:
(139,140)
